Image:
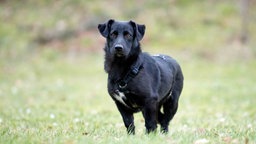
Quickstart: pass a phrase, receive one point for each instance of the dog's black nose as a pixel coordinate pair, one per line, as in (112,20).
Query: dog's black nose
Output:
(118,47)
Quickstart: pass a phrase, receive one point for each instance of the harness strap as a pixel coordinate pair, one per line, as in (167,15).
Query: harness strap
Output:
(133,72)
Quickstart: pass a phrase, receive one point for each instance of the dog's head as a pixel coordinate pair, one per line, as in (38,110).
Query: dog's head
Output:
(122,37)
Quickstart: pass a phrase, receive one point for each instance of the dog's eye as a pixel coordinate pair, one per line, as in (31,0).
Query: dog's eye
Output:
(128,36)
(113,35)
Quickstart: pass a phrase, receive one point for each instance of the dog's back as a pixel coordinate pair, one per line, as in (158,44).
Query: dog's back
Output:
(171,74)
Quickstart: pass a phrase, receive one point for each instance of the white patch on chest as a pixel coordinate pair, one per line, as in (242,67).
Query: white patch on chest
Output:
(119,96)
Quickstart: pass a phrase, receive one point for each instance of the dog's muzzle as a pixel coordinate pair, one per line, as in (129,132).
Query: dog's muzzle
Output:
(119,47)
(119,50)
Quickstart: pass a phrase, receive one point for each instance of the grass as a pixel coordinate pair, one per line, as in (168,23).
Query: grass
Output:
(47,96)
(55,100)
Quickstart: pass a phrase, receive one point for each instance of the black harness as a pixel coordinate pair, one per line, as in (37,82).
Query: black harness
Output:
(132,73)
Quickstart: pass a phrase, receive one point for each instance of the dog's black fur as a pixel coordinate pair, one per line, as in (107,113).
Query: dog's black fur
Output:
(156,85)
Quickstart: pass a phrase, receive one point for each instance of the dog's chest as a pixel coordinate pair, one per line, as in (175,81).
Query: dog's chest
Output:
(126,100)
(120,97)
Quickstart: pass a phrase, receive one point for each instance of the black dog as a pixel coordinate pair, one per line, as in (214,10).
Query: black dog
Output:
(138,81)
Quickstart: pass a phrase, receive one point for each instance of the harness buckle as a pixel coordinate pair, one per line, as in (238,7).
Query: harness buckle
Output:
(134,71)
(122,85)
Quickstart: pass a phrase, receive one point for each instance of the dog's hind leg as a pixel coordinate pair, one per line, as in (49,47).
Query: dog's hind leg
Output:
(170,106)
(127,118)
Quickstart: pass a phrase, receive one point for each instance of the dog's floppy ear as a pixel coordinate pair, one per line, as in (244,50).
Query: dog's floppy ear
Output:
(138,29)
(105,27)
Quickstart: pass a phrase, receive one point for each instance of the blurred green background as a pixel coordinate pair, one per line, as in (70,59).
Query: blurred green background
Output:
(53,86)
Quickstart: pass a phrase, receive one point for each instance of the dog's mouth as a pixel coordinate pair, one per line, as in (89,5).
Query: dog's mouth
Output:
(119,54)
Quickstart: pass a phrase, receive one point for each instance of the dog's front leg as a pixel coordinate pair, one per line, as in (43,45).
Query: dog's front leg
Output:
(127,118)
(150,114)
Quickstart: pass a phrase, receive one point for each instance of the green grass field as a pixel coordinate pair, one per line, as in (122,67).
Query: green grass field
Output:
(55,100)
(55,91)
